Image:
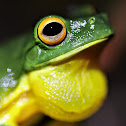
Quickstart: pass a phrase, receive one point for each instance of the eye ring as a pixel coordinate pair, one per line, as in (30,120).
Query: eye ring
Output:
(52,31)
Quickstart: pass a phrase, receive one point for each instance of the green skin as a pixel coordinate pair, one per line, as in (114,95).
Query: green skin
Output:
(27,52)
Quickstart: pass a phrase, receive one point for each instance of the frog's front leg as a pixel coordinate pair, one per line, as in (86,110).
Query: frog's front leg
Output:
(19,111)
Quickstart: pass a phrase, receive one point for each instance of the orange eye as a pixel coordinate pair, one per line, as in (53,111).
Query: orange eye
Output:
(52,31)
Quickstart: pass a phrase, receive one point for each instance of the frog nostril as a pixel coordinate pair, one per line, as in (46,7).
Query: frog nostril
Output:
(92,20)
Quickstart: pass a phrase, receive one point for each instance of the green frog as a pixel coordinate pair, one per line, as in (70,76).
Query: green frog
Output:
(54,70)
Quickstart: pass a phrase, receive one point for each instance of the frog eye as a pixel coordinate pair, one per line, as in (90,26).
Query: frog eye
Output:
(52,31)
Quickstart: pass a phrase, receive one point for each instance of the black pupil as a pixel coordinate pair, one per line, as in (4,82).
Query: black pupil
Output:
(52,29)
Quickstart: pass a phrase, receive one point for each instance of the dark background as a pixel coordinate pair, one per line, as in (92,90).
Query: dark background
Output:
(18,16)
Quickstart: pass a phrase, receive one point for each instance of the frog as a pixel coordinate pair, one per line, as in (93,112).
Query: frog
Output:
(54,69)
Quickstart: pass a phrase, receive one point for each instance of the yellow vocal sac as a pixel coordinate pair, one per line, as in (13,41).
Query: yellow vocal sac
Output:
(72,90)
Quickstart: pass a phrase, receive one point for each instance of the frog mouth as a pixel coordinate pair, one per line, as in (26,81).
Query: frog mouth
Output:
(69,54)
(75,51)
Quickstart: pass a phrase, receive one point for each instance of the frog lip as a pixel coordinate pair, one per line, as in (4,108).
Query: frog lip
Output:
(75,51)
(69,54)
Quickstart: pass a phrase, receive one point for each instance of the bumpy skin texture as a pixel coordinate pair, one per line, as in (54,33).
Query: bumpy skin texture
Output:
(55,80)
(12,54)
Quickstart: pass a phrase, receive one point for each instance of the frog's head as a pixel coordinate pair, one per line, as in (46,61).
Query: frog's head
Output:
(57,38)
(73,89)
